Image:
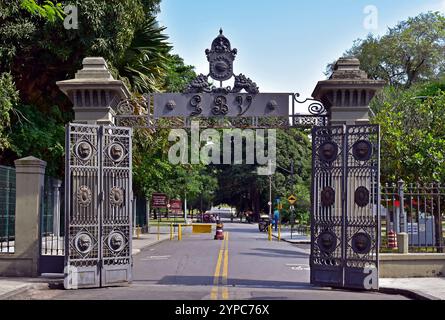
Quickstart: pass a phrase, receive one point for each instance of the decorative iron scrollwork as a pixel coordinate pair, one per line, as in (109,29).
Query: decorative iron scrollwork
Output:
(199,85)
(328,151)
(221,108)
(242,82)
(196,103)
(83,150)
(116,196)
(84,196)
(221,57)
(327,197)
(116,241)
(361,197)
(361,243)
(272,105)
(315,107)
(116,152)
(327,242)
(171,105)
(240,101)
(83,242)
(362,150)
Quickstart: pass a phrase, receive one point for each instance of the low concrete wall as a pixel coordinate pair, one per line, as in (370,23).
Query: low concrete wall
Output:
(412,265)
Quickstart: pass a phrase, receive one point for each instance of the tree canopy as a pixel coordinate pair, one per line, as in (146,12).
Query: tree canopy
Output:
(412,51)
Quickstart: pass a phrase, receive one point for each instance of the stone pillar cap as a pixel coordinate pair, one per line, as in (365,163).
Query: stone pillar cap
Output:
(94,68)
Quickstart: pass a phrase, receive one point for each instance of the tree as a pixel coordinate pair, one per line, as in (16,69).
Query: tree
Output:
(9,98)
(412,129)
(412,51)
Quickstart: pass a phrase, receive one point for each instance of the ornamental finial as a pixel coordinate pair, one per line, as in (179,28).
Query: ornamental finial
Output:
(220,31)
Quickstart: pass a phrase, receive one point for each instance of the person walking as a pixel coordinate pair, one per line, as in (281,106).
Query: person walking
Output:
(276,217)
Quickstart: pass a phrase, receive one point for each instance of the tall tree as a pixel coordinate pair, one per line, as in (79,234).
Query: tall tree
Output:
(412,51)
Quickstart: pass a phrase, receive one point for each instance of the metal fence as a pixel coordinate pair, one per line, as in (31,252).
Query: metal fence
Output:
(7,209)
(52,222)
(415,209)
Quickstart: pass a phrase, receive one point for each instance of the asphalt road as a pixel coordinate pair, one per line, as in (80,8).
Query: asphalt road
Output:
(244,266)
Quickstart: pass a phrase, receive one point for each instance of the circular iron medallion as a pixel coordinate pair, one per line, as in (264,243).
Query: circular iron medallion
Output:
(83,150)
(327,242)
(116,196)
(116,241)
(84,196)
(116,152)
(361,197)
(361,243)
(83,242)
(327,197)
(362,150)
(328,151)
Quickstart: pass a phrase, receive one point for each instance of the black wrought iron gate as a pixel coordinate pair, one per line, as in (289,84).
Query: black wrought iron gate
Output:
(98,205)
(345,206)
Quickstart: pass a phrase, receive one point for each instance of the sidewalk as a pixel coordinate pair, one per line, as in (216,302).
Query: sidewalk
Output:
(417,288)
(10,287)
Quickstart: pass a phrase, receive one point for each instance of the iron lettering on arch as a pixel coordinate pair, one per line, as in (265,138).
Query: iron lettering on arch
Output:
(345,206)
(240,104)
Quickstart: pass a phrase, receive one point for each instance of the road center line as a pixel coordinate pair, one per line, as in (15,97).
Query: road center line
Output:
(214,293)
(225,290)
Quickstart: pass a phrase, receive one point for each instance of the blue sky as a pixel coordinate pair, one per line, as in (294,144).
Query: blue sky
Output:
(283,45)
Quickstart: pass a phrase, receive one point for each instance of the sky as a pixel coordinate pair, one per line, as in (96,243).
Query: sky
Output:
(283,45)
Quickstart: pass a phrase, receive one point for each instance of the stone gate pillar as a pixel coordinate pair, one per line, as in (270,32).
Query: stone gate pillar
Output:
(347,93)
(94,92)
(24,262)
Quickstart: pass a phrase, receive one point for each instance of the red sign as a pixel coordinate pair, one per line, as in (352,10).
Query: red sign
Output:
(159,200)
(176,206)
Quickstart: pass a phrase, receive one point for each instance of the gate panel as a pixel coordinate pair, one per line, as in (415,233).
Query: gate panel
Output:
(82,187)
(326,259)
(117,204)
(363,206)
(98,206)
(345,206)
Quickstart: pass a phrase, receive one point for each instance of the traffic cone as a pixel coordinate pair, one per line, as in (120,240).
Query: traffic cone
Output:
(392,240)
(219,235)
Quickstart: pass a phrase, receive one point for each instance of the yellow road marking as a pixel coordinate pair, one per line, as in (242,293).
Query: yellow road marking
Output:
(214,293)
(225,293)
(223,253)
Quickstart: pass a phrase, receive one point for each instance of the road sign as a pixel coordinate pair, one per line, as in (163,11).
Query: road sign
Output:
(159,200)
(292,199)
(175,206)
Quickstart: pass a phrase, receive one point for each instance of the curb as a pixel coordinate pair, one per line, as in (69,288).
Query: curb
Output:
(411,294)
(137,251)
(293,241)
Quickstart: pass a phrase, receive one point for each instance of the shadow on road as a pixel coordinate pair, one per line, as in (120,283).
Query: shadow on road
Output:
(208,281)
(276,253)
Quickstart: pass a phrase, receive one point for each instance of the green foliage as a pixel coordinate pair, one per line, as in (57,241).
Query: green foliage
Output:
(144,64)
(413,133)
(179,75)
(48,10)
(40,135)
(241,187)
(8,100)
(410,52)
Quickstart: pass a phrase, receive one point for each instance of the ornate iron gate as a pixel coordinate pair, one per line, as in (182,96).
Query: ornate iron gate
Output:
(98,205)
(345,206)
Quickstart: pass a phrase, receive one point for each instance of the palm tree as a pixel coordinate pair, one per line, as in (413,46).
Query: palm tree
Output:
(144,65)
